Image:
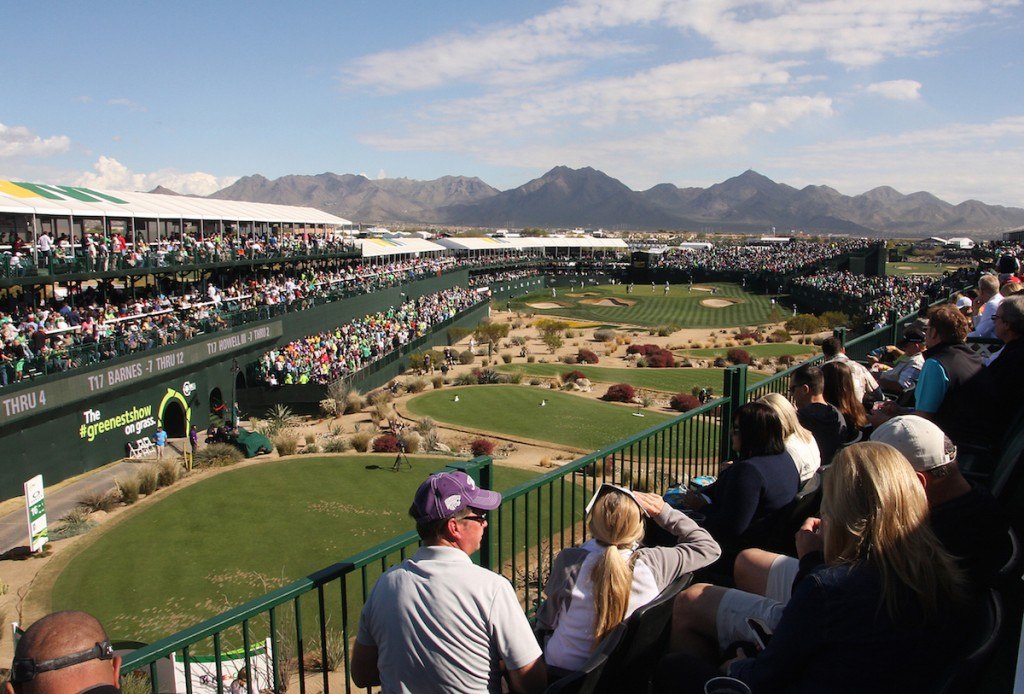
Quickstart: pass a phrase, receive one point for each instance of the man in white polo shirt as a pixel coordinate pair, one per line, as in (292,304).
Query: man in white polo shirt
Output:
(439,623)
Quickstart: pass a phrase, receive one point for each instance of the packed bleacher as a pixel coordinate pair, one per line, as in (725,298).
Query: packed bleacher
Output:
(344,350)
(776,259)
(876,296)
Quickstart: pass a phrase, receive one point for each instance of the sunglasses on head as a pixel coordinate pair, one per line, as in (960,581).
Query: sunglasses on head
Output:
(26,669)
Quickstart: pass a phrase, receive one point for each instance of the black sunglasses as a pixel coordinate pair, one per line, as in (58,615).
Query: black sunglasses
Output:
(26,669)
(478,518)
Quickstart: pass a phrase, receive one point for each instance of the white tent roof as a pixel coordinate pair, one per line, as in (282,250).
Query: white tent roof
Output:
(487,243)
(64,201)
(373,247)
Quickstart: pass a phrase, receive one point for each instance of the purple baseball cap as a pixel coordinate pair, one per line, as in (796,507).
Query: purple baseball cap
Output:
(446,493)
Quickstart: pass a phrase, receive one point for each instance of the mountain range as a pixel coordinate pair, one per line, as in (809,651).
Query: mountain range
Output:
(567,198)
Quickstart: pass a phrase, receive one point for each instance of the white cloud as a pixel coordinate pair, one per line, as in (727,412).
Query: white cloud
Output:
(898,90)
(956,162)
(113,175)
(19,141)
(132,106)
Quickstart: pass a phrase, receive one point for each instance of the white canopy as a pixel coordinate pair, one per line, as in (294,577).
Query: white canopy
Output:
(375,247)
(69,201)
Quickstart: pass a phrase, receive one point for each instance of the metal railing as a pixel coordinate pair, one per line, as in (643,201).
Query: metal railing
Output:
(313,620)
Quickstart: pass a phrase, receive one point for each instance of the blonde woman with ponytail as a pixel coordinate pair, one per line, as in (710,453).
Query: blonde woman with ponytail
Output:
(594,587)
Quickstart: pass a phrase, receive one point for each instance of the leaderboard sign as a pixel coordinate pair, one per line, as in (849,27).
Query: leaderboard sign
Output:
(72,389)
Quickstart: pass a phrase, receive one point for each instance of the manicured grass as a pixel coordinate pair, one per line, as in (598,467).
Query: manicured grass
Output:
(774,349)
(516,411)
(898,269)
(233,537)
(680,307)
(676,380)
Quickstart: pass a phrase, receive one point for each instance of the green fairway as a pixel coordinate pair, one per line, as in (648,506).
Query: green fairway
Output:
(238,535)
(908,268)
(665,380)
(679,307)
(516,411)
(762,350)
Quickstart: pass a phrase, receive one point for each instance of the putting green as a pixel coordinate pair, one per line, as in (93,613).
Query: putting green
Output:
(680,307)
(663,380)
(213,545)
(517,411)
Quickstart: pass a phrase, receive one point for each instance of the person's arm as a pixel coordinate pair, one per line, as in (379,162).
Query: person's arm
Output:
(364,665)
(931,388)
(530,678)
(735,504)
(558,588)
(695,547)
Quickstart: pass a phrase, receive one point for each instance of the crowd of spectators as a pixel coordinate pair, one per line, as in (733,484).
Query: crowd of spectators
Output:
(487,278)
(777,259)
(333,354)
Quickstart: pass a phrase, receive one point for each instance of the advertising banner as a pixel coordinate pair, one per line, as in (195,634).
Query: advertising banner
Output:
(35,508)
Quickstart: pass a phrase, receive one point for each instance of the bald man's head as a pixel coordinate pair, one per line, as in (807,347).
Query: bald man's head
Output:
(57,636)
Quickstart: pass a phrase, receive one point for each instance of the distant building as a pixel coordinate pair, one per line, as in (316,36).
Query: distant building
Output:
(960,242)
(930,242)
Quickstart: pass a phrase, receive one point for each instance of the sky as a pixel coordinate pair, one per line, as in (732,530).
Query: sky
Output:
(854,94)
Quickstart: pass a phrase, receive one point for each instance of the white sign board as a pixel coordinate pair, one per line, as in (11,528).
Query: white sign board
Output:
(35,508)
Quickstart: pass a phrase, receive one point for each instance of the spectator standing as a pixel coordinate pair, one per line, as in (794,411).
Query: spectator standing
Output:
(160,439)
(437,622)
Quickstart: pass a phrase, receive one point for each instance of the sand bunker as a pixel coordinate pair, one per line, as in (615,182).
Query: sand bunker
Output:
(718,303)
(702,289)
(578,294)
(609,301)
(904,267)
(546,304)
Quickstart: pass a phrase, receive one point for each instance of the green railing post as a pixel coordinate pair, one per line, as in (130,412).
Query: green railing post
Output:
(839,334)
(481,469)
(894,327)
(735,389)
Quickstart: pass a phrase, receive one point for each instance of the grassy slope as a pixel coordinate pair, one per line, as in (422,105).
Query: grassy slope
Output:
(516,411)
(763,350)
(680,307)
(238,535)
(665,380)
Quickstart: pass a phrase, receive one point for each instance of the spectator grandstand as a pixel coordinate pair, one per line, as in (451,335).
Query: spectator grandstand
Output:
(778,259)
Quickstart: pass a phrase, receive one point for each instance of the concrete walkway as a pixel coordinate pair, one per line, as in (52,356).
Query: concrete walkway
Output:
(14,525)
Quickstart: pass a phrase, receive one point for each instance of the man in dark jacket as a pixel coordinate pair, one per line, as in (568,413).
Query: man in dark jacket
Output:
(824,421)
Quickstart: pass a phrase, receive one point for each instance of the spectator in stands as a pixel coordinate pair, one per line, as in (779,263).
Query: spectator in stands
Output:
(954,389)
(64,653)
(824,421)
(1007,365)
(907,367)
(592,588)
(864,384)
(437,619)
(880,615)
(839,391)
(988,301)
(799,441)
(762,481)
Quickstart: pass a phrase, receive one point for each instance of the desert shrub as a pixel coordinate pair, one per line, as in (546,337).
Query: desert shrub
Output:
(336,444)
(834,319)
(438,382)
(286,444)
(683,402)
(168,472)
(74,522)
(660,358)
(514,377)
(481,446)
(506,357)
(620,392)
(425,424)
(586,356)
(98,501)
(486,376)
(279,418)
(379,397)
(217,455)
(456,333)
(128,488)
(604,335)
(416,385)
(466,357)
(517,340)
(535,381)
(329,407)
(721,362)
(666,330)
(639,349)
(412,441)
(353,402)
(489,331)
(787,359)
(385,443)
(569,359)
(149,477)
(553,341)
(748,334)
(418,363)
(572,376)
(310,439)
(361,440)
(530,359)
(780,335)
(804,323)
(549,326)
(738,356)
(466,379)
